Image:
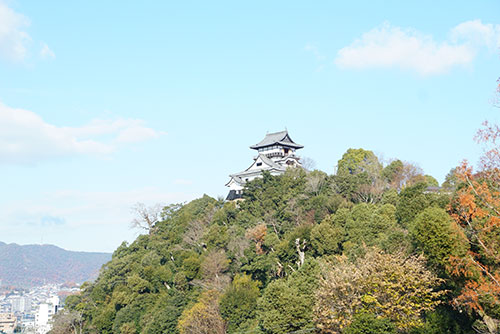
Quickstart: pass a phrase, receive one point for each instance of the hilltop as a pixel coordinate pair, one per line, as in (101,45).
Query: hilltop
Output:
(363,250)
(33,265)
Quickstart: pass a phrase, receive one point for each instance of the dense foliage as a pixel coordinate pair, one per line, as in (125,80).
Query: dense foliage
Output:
(365,250)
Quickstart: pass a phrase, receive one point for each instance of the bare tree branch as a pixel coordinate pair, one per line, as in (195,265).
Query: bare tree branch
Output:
(146,216)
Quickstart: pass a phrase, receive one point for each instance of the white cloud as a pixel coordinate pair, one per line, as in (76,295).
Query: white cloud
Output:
(389,46)
(46,52)
(135,133)
(26,138)
(13,38)
(79,220)
(82,208)
(477,33)
(125,130)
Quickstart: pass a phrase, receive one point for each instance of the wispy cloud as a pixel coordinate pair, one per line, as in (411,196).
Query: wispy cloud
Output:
(46,52)
(26,138)
(477,33)
(13,37)
(82,208)
(51,220)
(135,132)
(315,51)
(75,219)
(320,57)
(406,48)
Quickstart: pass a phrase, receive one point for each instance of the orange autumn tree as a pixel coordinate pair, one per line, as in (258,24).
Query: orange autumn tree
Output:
(257,234)
(475,210)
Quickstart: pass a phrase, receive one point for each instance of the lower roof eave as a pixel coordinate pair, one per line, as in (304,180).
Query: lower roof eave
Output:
(259,172)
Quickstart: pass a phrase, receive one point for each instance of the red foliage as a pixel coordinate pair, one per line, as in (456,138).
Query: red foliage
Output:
(476,212)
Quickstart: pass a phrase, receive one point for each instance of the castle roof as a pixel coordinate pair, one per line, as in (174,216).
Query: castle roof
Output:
(268,165)
(276,138)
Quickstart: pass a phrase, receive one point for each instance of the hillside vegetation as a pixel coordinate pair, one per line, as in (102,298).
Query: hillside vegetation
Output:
(370,249)
(36,265)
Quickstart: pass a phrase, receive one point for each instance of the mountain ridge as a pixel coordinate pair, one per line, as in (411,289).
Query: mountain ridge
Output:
(34,265)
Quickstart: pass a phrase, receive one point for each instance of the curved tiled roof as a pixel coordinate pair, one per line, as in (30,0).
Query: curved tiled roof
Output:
(280,138)
(271,165)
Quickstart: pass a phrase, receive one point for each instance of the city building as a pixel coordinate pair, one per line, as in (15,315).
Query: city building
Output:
(35,308)
(21,304)
(8,322)
(42,319)
(45,313)
(276,152)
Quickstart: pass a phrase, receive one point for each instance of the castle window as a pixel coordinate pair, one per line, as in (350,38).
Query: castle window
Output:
(259,164)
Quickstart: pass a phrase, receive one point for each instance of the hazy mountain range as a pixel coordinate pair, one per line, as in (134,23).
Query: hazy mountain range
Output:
(33,265)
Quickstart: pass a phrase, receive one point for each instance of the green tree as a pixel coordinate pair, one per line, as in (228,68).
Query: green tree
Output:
(164,315)
(287,305)
(128,328)
(393,174)
(451,180)
(433,233)
(281,310)
(445,320)
(414,199)
(368,323)
(238,304)
(326,238)
(390,196)
(399,175)
(431,181)
(103,319)
(273,199)
(358,176)
(357,161)
(191,266)
(372,225)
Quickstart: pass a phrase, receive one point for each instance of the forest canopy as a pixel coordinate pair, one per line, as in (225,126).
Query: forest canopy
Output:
(371,248)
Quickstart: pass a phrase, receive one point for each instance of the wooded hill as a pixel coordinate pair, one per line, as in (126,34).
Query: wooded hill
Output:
(370,249)
(36,265)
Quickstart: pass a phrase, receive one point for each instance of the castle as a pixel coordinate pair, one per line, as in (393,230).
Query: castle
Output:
(276,152)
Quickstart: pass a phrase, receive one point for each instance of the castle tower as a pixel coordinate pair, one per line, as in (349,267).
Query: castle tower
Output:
(276,152)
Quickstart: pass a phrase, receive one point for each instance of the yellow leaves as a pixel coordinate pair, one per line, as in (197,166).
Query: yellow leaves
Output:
(389,285)
(257,234)
(203,317)
(128,328)
(369,299)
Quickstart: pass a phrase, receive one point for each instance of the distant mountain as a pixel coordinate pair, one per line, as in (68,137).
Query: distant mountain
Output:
(34,265)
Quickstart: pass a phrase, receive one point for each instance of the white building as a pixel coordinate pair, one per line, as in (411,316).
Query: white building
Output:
(276,152)
(42,319)
(45,313)
(21,304)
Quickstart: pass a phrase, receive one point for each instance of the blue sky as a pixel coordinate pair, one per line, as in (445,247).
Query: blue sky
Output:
(103,106)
